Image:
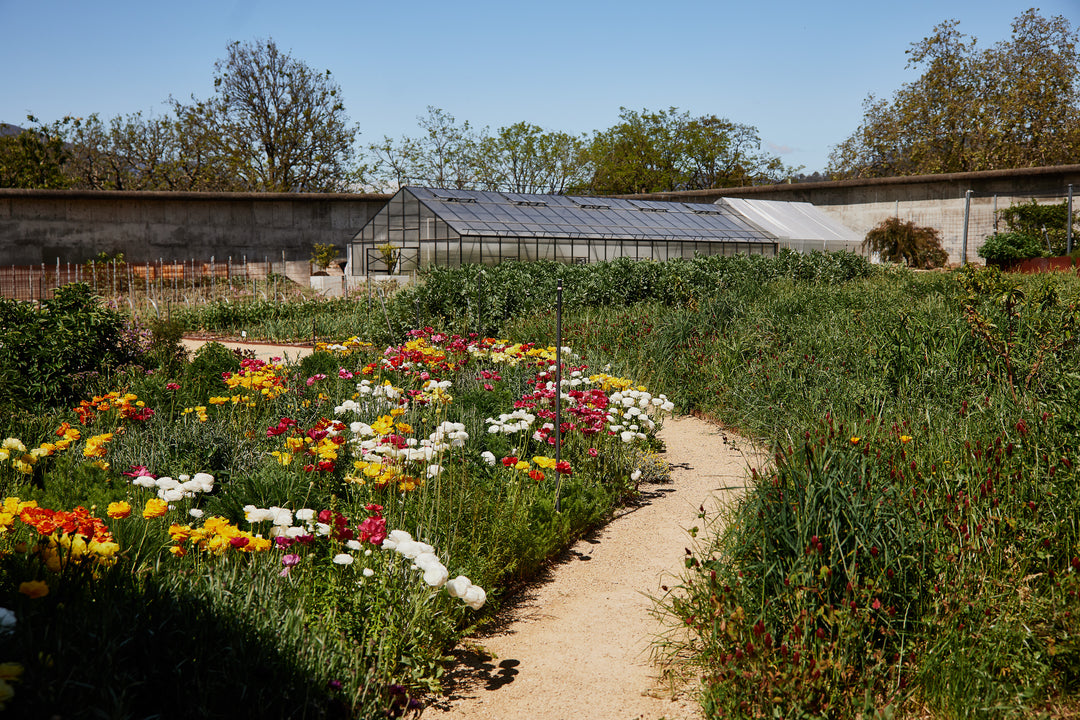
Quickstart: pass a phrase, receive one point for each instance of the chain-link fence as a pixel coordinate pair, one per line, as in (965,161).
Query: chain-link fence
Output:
(965,223)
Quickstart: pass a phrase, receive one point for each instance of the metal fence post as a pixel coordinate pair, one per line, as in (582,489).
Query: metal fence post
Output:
(1069,224)
(967,215)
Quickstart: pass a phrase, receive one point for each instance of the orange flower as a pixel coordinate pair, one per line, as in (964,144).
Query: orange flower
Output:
(155,507)
(34,589)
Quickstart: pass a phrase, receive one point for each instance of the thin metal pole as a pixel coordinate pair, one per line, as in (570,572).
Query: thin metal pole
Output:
(558,392)
(1068,223)
(967,215)
(479,296)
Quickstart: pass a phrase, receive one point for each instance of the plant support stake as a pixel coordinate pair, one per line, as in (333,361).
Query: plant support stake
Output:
(558,392)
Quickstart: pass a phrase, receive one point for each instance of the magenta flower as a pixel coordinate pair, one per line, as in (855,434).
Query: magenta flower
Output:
(288,561)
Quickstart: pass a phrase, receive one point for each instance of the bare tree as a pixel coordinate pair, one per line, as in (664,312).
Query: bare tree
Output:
(279,125)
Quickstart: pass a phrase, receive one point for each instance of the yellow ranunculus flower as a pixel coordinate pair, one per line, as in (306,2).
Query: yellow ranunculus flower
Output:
(119,510)
(155,507)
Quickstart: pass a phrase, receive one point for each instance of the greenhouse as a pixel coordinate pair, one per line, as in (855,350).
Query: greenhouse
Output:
(419,227)
(797,226)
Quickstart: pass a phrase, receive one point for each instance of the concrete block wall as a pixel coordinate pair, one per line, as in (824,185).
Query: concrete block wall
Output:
(42,226)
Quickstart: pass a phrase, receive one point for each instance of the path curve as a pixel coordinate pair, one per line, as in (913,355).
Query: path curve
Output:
(576,644)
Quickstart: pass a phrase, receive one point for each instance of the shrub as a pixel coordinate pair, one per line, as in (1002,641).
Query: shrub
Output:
(906,242)
(1044,224)
(1001,248)
(48,351)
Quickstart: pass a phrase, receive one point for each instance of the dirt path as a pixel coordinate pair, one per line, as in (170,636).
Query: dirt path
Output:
(577,644)
(263,351)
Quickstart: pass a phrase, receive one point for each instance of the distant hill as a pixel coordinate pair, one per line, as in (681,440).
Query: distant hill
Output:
(9,129)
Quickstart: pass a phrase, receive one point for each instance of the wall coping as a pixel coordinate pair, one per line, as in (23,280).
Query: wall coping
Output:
(975,176)
(185,195)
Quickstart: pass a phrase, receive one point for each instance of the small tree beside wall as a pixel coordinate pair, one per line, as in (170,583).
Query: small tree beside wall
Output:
(905,242)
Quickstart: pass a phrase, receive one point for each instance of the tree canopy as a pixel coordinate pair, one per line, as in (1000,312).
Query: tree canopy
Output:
(1015,104)
(644,152)
(35,157)
(668,150)
(279,124)
(273,125)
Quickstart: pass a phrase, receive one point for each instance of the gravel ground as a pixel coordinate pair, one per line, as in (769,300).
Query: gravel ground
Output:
(576,644)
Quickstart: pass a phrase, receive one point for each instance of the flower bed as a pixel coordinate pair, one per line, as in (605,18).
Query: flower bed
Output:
(311,536)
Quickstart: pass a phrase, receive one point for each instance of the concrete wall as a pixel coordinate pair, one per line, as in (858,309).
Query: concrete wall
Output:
(41,226)
(932,200)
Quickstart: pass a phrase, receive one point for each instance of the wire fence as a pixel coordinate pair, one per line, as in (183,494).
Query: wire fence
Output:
(157,286)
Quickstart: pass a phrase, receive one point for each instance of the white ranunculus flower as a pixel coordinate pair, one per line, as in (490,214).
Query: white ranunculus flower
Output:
(627,436)
(305,514)
(170,495)
(343,559)
(436,575)
(635,475)
(281,516)
(353,544)
(488,457)
(145,481)
(7,622)
(368,572)
(253,514)
(475,597)
(195,513)
(458,586)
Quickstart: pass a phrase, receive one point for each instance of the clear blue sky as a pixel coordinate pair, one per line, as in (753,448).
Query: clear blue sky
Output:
(798,71)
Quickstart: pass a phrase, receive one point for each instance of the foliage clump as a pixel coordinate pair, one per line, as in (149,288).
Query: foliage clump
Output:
(905,242)
(52,352)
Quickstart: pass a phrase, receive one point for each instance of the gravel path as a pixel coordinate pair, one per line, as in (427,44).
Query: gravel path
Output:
(577,643)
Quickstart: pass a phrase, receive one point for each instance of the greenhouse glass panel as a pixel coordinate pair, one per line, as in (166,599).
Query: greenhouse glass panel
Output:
(447,227)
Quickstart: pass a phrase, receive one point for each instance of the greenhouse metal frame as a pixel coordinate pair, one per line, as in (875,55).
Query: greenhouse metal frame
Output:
(426,226)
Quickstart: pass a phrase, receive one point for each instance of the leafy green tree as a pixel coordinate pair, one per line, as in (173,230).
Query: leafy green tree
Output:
(443,155)
(525,158)
(279,125)
(905,242)
(1016,104)
(668,150)
(36,157)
